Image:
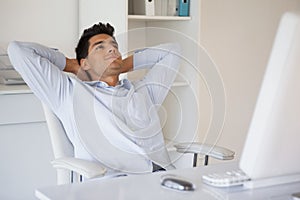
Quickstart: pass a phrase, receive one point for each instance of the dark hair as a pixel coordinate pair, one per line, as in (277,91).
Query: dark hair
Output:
(83,44)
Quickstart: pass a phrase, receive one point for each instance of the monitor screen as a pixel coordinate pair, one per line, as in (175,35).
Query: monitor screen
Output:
(272,147)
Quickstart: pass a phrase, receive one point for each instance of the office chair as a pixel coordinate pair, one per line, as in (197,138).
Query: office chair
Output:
(71,169)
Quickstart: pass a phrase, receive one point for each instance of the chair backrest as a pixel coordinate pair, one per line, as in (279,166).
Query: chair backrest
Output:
(61,145)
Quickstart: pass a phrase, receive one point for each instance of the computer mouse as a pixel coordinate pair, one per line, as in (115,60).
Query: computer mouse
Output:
(177,183)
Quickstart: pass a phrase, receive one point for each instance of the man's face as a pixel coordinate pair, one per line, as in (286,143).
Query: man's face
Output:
(103,57)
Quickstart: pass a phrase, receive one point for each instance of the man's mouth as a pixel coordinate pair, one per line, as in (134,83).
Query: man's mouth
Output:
(112,57)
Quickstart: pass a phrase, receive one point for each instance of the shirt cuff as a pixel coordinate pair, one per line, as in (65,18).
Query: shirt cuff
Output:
(59,59)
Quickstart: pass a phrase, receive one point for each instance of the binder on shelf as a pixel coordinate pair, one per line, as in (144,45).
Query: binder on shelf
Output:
(172,8)
(161,7)
(184,8)
(143,7)
(130,7)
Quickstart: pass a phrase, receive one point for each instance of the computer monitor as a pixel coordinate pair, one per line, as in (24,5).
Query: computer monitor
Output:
(272,147)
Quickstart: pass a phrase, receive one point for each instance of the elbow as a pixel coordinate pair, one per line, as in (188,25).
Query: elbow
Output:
(16,52)
(176,48)
(173,48)
(13,48)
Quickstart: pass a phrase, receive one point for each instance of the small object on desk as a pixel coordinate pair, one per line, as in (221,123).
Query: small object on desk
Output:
(227,179)
(176,183)
(296,196)
(11,81)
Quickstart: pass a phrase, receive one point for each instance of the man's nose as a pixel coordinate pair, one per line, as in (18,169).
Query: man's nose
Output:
(112,49)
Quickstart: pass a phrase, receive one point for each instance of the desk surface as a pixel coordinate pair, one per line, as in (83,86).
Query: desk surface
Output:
(148,187)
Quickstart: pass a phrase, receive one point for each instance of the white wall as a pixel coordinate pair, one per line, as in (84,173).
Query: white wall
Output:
(94,11)
(239,34)
(53,23)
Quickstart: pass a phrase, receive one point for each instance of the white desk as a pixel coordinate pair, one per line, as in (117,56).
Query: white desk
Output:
(148,187)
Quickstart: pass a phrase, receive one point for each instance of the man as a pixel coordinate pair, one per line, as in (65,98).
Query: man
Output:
(121,129)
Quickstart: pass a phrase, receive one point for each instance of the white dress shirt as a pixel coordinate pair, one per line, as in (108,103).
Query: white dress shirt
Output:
(117,126)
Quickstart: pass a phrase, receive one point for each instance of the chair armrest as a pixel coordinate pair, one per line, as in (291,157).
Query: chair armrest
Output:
(87,169)
(213,151)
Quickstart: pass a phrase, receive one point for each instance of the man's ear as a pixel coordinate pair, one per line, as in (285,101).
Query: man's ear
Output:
(84,64)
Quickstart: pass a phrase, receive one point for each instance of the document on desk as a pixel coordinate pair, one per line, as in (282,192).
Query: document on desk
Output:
(11,81)
(8,75)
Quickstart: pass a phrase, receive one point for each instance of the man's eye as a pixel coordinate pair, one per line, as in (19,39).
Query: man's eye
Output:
(99,47)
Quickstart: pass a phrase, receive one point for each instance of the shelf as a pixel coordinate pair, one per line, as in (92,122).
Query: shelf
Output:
(157,18)
(180,84)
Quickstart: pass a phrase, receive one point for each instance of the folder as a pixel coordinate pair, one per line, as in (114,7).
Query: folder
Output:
(130,7)
(184,8)
(172,8)
(143,7)
(158,7)
(161,7)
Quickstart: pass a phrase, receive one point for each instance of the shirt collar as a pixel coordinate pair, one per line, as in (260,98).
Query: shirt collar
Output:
(100,84)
